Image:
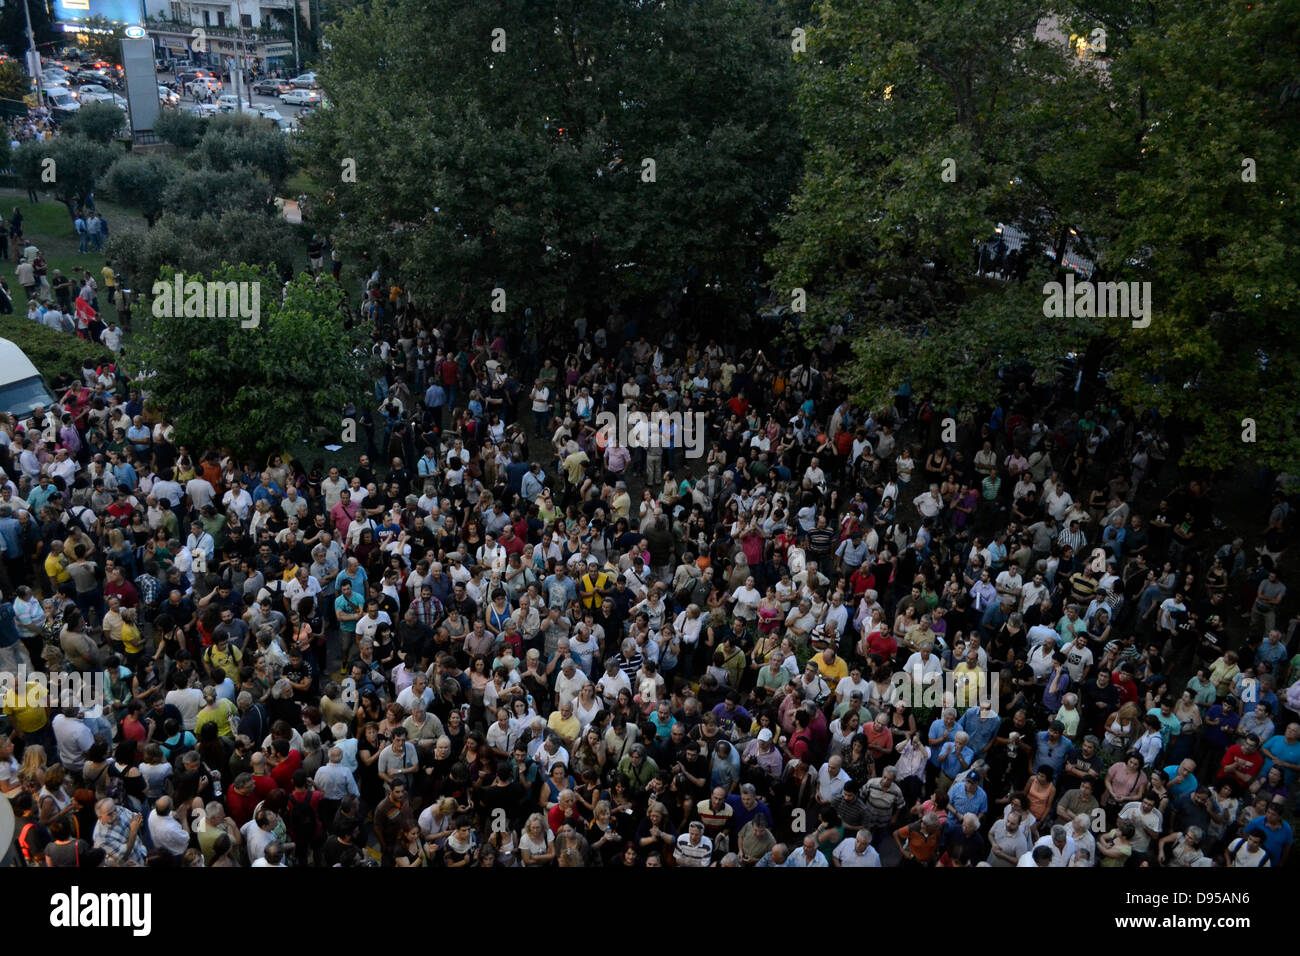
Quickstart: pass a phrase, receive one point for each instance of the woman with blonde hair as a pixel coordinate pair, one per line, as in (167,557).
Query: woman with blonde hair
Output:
(436,819)
(1121,729)
(536,843)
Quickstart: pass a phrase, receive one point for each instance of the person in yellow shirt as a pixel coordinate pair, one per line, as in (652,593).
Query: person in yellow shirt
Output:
(565,724)
(594,586)
(969,681)
(831,666)
(216,710)
(25,707)
(56,565)
(132,640)
(223,655)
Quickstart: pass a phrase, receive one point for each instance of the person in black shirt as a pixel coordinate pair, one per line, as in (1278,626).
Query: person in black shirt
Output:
(1099,699)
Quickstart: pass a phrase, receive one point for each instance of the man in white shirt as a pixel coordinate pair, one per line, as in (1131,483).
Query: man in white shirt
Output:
(1061,845)
(258,834)
(831,778)
(1032,593)
(857,852)
(167,832)
(189,701)
(747,599)
(569,682)
(200,492)
(370,622)
(74,738)
(613,681)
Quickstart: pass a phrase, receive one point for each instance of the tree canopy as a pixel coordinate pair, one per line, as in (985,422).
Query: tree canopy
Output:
(258,389)
(517,159)
(1102,158)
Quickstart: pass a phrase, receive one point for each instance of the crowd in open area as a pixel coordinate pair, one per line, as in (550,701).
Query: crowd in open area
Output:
(751,624)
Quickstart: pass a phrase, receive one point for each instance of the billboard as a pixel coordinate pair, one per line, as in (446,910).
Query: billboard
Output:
(141,83)
(118,11)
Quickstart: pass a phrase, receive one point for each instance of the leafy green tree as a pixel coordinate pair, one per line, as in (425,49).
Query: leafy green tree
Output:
(181,129)
(141,181)
(98,121)
(260,389)
(255,146)
(13,27)
(928,125)
(78,163)
(14,81)
(1204,209)
(198,191)
(103,39)
(204,245)
(526,169)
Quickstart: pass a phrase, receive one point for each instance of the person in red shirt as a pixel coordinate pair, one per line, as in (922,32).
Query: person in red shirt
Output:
(739,405)
(1123,681)
(122,589)
(284,762)
(263,782)
(242,799)
(564,811)
(1241,763)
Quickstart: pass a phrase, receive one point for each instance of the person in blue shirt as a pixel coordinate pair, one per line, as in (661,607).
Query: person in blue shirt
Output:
(1284,751)
(1052,748)
(955,756)
(267,490)
(942,731)
(1182,778)
(201,540)
(982,724)
(967,797)
(1275,831)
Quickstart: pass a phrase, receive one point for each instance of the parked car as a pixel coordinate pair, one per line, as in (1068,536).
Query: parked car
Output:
(89,92)
(63,102)
(305,81)
(167,96)
(271,87)
(227,103)
(301,98)
(21,386)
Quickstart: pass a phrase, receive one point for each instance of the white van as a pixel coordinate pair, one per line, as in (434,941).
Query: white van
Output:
(21,385)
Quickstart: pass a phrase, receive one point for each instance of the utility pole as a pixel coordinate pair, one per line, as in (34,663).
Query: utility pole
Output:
(35,59)
(297,58)
(239,60)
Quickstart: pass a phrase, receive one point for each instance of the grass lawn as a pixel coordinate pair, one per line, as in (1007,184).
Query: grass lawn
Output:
(48,225)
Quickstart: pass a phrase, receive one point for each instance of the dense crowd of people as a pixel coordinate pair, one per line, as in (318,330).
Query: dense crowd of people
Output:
(1011,635)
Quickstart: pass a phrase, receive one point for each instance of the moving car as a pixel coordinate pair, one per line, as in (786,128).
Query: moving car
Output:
(304,81)
(301,98)
(227,103)
(204,84)
(21,385)
(168,97)
(270,87)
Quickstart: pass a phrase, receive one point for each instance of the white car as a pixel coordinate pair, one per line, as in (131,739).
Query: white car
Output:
(89,92)
(227,103)
(301,98)
(63,102)
(205,84)
(168,97)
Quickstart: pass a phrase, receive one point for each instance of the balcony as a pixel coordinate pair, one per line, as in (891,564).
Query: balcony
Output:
(163,25)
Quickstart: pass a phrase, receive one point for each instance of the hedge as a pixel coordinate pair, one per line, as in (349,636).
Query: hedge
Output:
(53,353)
